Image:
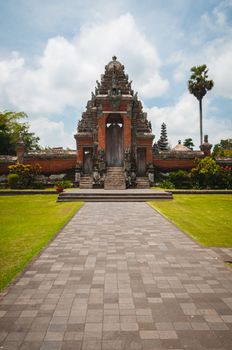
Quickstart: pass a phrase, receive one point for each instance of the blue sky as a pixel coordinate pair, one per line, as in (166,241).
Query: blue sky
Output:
(52,52)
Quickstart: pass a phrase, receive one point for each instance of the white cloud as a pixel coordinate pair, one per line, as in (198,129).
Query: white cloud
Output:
(64,75)
(182,121)
(52,133)
(217,55)
(66,72)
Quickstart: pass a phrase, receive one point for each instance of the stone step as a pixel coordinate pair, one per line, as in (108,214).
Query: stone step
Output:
(115,179)
(142,182)
(114,196)
(115,187)
(86,182)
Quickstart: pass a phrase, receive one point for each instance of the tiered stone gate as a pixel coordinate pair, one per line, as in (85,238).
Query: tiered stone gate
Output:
(114,132)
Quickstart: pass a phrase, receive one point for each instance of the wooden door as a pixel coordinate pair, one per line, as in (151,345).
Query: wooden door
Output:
(114,145)
(88,161)
(141,161)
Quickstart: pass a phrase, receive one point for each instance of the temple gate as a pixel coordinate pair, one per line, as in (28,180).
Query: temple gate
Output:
(114,137)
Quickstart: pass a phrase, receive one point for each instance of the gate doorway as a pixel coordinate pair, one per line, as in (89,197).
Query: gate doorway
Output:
(114,140)
(88,160)
(141,161)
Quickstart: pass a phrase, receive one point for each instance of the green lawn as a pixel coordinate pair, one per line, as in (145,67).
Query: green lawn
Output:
(206,218)
(27,223)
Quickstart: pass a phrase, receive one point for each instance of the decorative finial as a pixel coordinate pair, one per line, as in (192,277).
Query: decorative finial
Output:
(114,58)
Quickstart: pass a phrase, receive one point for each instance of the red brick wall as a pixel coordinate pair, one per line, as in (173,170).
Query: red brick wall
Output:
(127,131)
(102,132)
(149,155)
(49,166)
(4,168)
(53,166)
(174,164)
(80,154)
(83,142)
(106,106)
(147,143)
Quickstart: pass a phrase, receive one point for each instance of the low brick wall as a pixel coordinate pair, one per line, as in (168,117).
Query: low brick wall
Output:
(53,165)
(5,161)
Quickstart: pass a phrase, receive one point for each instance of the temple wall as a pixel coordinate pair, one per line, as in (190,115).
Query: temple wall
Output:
(83,142)
(53,165)
(147,143)
(127,131)
(4,167)
(174,164)
(102,132)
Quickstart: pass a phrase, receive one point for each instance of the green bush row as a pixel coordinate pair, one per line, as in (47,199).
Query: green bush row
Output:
(207,174)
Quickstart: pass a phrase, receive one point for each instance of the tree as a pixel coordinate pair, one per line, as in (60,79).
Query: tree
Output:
(198,85)
(204,173)
(189,143)
(223,149)
(12,129)
(163,141)
(23,175)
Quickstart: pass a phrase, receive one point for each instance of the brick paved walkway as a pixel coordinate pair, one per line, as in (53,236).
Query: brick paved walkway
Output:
(119,276)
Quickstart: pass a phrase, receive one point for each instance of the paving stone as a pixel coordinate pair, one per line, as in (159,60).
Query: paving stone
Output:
(35,345)
(120,276)
(35,336)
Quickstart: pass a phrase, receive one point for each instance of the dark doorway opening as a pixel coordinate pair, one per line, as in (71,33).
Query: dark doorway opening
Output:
(88,160)
(114,140)
(141,161)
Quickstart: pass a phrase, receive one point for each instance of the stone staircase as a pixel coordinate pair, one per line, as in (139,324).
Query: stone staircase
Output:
(115,179)
(101,195)
(86,181)
(142,182)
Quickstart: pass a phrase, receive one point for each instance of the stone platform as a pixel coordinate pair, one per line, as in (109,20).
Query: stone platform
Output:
(119,276)
(101,195)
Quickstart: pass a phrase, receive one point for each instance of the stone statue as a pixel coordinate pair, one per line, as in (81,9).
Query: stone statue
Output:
(206,139)
(96,176)
(101,154)
(127,154)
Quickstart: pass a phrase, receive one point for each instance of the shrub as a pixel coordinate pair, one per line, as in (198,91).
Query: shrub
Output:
(167,184)
(26,173)
(222,179)
(63,184)
(38,185)
(208,174)
(180,179)
(13,180)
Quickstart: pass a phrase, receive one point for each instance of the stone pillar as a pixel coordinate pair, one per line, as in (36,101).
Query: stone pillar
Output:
(77,175)
(79,150)
(20,150)
(206,146)
(149,155)
(127,132)
(151,174)
(80,156)
(102,133)
(101,143)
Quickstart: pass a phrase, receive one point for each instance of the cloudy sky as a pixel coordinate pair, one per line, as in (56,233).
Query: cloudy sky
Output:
(53,51)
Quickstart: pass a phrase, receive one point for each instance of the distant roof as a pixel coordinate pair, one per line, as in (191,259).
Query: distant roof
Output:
(181,148)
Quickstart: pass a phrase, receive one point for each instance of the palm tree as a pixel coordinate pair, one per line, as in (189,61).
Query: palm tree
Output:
(198,85)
